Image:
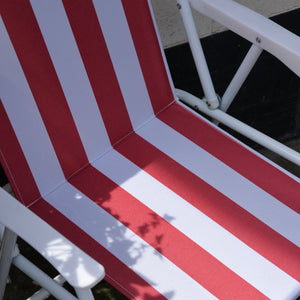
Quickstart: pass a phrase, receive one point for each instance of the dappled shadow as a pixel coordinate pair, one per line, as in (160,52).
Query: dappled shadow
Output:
(66,258)
(126,229)
(118,221)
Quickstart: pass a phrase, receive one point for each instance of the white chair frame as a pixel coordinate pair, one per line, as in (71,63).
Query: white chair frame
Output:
(81,271)
(264,34)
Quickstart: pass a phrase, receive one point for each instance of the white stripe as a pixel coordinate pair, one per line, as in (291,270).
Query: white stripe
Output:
(71,72)
(125,61)
(289,174)
(236,255)
(230,183)
(26,121)
(126,245)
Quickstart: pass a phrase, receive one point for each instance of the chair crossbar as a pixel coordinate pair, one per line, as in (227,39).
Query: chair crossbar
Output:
(42,293)
(240,76)
(45,281)
(213,10)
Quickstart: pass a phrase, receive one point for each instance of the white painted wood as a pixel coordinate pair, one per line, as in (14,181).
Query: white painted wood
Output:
(80,270)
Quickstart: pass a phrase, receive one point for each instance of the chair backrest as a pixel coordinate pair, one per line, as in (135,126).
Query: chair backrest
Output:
(68,94)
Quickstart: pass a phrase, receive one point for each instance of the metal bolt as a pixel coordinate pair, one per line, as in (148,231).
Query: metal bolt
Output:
(258,40)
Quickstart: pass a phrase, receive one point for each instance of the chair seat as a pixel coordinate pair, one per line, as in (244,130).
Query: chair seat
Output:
(180,199)
(97,146)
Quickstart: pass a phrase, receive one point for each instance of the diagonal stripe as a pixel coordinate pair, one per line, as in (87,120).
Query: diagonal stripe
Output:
(15,166)
(99,68)
(44,84)
(123,242)
(247,163)
(244,193)
(251,163)
(116,272)
(197,226)
(64,206)
(32,128)
(62,83)
(115,29)
(152,228)
(150,54)
(284,231)
(212,203)
(70,70)
(26,121)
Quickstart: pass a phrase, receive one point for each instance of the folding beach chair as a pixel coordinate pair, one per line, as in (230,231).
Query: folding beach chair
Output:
(97,146)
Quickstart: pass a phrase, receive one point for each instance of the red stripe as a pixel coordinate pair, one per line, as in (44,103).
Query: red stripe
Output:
(149,53)
(212,203)
(152,228)
(44,84)
(118,274)
(96,59)
(220,145)
(14,162)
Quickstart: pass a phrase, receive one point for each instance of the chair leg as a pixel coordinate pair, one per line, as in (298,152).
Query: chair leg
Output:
(6,255)
(44,294)
(42,278)
(84,294)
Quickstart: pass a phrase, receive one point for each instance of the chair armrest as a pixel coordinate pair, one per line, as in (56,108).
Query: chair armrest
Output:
(79,269)
(254,27)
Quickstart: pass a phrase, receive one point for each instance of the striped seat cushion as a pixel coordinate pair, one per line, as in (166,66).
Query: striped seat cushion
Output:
(95,143)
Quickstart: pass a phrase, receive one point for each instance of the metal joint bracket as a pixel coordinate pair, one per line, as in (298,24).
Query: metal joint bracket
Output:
(213,103)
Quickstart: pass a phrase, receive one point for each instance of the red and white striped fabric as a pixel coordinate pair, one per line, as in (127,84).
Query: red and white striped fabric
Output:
(94,142)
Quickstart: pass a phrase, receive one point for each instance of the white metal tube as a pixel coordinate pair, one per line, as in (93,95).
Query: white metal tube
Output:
(240,127)
(198,55)
(6,255)
(84,294)
(41,278)
(240,76)
(42,293)
(1,232)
